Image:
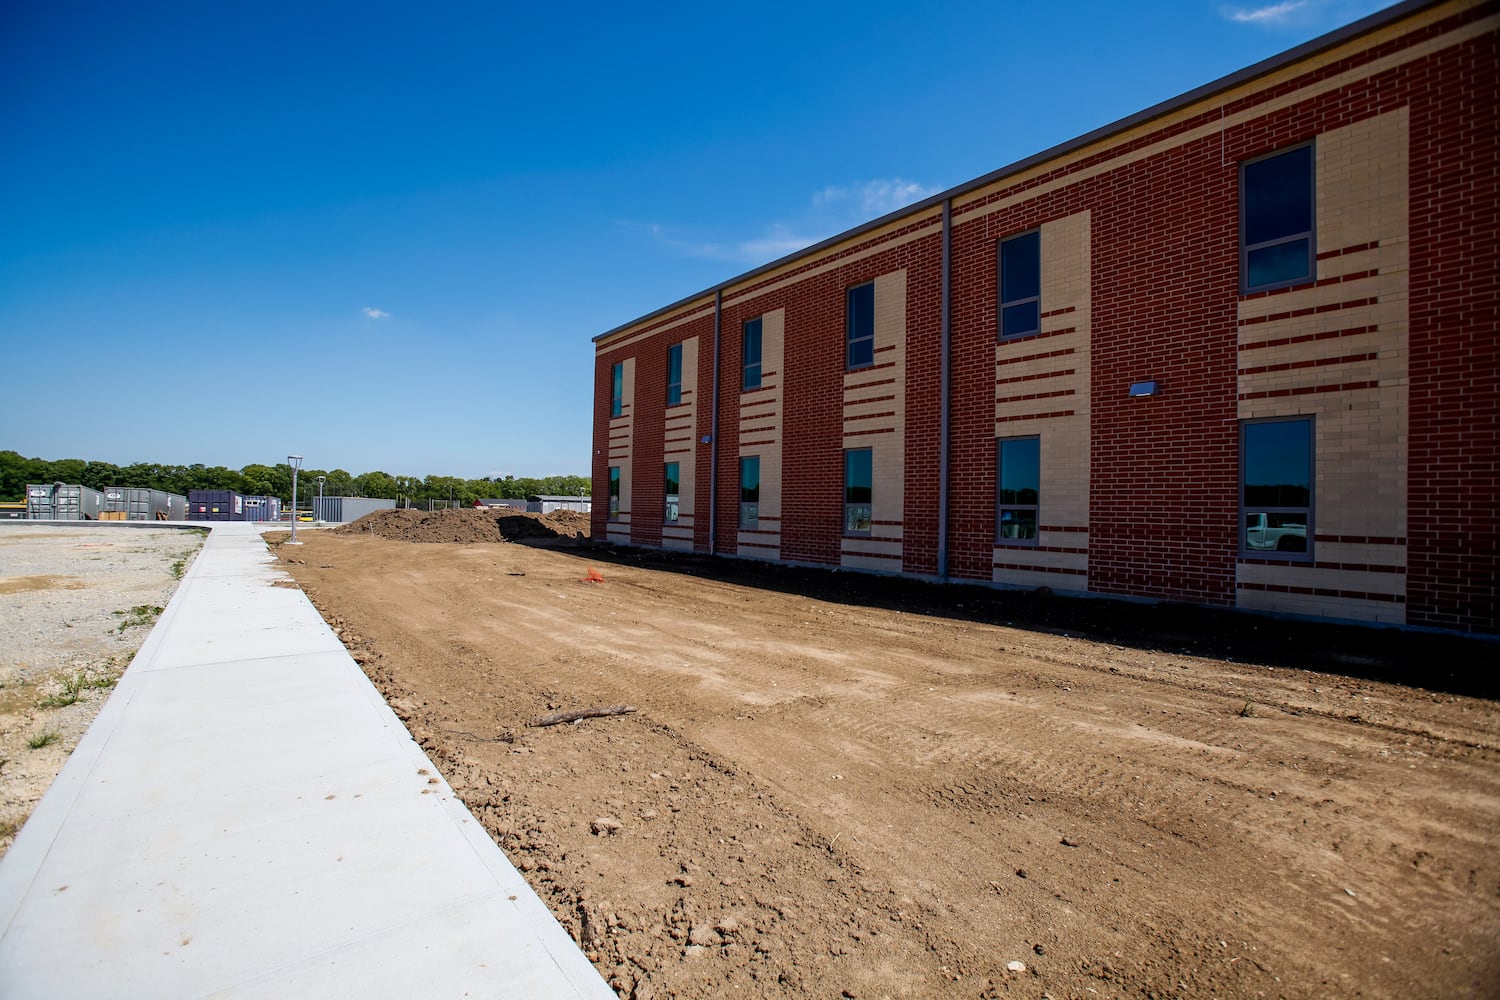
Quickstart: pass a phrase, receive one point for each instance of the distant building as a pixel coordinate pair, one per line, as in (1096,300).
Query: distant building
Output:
(1239,349)
(547,504)
(514,504)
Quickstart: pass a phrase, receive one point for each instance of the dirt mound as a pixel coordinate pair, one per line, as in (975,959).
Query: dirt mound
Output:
(469,525)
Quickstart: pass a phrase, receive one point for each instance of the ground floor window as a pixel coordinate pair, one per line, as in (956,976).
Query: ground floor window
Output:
(859,478)
(1276,487)
(614,492)
(670,515)
(750,491)
(1018,477)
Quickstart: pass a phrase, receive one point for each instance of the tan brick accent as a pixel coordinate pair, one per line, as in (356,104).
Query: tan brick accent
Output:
(760,420)
(621,449)
(1056,383)
(875,418)
(1347,368)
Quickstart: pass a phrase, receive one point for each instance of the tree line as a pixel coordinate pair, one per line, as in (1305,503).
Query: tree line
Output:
(17,471)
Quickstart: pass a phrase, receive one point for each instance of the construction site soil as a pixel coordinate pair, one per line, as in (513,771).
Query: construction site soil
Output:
(840,785)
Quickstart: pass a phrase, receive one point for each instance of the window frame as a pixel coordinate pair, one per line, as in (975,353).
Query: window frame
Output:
(1310,235)
(852,506)
(614,493)
(863,318)
(1001,506)
(1244,509)
(674,375)
(1002,303)
(750,507)
(745,364)
(617,389)
(671,492)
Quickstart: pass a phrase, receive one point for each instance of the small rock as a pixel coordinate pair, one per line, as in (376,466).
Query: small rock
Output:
(1068,842)
(728,926)
(1015,966)
(694,951)
(1039,949)
(606,826)
(702,934)
(1020,873)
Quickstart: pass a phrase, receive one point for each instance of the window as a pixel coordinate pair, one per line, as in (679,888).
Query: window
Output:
(1276,220)
(617,389)
(751,354)
(670,515)
(1018,475)
(674,375)
(614,492)
(1276,463)
(750,492)
(860,322)
(1021,285)
(858,488)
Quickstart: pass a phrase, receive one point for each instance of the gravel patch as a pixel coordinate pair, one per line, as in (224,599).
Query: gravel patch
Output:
(76,603)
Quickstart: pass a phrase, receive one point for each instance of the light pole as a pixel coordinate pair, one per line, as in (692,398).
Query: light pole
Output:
(295,461)
(321,481)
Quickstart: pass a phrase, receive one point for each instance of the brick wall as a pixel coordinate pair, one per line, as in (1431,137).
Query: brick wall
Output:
(1392,349)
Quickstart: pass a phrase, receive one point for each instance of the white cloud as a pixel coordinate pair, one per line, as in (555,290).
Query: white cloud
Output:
(374,313)
(875,198)
(829,211)
(1274,14)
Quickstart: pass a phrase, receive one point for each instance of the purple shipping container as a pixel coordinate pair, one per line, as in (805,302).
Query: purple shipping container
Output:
(215,505)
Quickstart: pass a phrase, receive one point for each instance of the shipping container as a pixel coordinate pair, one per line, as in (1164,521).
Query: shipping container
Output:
(341,510)
(215,505)
(263,508)
(140,504)
(62,502)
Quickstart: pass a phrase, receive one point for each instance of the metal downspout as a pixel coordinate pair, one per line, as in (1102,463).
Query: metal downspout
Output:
(944,404)
(713,435)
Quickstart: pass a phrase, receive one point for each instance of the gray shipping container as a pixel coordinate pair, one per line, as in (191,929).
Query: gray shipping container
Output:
(342,510)
(61,502)
(141,504)
(263,508)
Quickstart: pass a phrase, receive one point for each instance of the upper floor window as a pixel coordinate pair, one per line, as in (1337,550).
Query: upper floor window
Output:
(1020,266)
(1277,242)
(751,354)
(750,492)
(671,486)
(614,492)
(674,374)
(1276,487)
(617,389)
(860,325)
(859,488)
(1018,473)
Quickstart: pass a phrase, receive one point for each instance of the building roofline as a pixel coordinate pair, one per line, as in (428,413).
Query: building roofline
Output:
(1338,36)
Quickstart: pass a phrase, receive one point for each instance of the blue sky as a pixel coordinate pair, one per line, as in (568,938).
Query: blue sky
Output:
(383,235)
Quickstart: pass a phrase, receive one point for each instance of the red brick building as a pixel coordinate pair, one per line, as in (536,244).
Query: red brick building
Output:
(1239,349)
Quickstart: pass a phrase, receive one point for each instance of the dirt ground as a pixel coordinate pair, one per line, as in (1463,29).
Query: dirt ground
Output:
(844,786)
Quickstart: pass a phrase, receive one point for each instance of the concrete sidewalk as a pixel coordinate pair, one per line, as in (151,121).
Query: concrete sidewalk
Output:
(247,817)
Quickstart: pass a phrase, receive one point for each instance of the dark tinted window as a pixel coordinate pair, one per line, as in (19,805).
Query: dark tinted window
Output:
(860,311)
(1021,285)
(1276,220)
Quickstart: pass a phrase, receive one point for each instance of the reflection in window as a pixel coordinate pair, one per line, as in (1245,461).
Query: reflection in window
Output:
(1021,285)
(1276,220)
(617,389)
(674,374)
(1276,486)
(858,490)
(670,516)
(860,320)
(614,492)
(1018,476)
(750,492)
(751,354)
